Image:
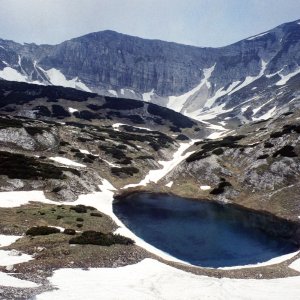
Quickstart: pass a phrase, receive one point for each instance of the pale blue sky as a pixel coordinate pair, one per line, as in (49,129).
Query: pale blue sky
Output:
(196,22)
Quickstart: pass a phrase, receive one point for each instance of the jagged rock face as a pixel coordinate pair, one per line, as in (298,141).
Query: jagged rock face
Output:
(215,79)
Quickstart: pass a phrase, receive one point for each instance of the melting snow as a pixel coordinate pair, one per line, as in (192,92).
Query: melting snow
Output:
(216,135)
(156,175)
(117,125)
(258,35)
(285,78)
(84,151)
(267,115)
(177,102)
(66,161)
(205,187)
(13,257)
(209,102)
(113,92)
(295,265)
(7,280)
(152,280)
(72,110)
(147,96)
(169,184)
(6,240)
(56,77)
(11,74)
(250,79)
(14,199)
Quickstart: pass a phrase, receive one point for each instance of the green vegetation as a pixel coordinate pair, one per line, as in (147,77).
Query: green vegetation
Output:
(287,151)
(26,167)
(101,239)
(215,147)
(221,187)
(125,170)
(42,230)
(81,209)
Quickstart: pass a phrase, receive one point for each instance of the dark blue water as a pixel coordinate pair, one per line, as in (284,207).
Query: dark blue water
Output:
(199,232)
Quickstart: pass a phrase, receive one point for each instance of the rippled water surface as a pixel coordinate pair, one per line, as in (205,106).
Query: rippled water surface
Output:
(199,232)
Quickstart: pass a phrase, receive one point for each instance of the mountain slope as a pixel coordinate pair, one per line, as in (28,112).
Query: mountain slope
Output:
(198,82)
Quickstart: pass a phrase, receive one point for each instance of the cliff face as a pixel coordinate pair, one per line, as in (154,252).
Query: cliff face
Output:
(187,79)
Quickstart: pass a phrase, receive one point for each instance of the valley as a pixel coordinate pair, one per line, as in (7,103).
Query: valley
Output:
(126,117)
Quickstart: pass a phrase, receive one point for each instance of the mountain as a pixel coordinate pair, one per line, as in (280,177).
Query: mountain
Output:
(250,80)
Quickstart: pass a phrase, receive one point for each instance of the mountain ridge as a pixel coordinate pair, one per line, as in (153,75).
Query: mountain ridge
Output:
(164,73)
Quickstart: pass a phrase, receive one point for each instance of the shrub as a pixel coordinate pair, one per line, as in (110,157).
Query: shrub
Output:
(101,239)
(35,130)
(145,157)
(164,113)
(59,112)
(125,161)
(268,145)
(64,143)
(42,230)
(263,156)
(218,151)
(69,231)
(182,137)
(276,134)
(197,156)
(124,170)
(121,104)
(79,220)
(80,208)
(95,214)
(26,167)
(287,151)
(221,187)
(57,189)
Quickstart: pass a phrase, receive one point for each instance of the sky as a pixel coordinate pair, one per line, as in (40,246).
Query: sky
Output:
(205,23)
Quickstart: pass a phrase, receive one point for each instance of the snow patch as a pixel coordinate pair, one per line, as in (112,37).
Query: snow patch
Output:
(205,187)
(295,265)
(285,78)
(147,96)
(66,161)
(209,102)
(216,135)
(152,280)
(13,257)
(6,240)
(169,184)
(267,115)
(156,175)
(15,199)
(177,102)
(250,79)
(72,110)
(84,151)
(113,92)
(117,125)
(11,74)
(56,77)
(7,280)
(258,35)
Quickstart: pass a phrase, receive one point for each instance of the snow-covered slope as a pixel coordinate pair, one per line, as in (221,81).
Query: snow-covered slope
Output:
(202,83)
